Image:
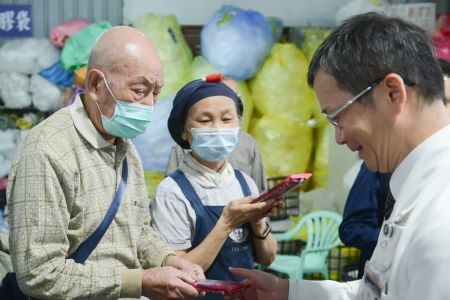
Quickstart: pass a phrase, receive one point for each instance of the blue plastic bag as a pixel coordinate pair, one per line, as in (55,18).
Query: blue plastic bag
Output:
(237,41)
(155,144)
(56,74)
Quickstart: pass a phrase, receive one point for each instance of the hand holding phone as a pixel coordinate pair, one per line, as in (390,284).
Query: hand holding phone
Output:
(283,187)
(223,287)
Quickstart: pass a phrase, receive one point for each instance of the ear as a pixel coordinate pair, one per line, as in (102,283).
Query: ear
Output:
(395,91)
(184,134)
(93,80)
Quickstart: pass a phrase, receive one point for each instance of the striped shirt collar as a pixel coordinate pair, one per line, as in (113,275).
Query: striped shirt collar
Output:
(85,126)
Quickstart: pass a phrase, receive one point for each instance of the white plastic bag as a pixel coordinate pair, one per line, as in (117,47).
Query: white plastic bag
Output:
(27,56)
(14,90)
(45,95)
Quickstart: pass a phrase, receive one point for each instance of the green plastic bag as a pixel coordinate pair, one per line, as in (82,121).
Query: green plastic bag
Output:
(77,48)
(287,106)
(175,54)
(201,68)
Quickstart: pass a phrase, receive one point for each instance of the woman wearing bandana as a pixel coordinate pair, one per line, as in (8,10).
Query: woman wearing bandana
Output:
(203,210)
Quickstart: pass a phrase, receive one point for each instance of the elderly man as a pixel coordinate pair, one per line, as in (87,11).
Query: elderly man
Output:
(68,171)
(379,83)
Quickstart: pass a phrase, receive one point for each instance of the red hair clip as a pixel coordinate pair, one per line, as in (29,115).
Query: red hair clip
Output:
(213,78)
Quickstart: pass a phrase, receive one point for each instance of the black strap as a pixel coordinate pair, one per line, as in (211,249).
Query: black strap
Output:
(389,205)
(85,249)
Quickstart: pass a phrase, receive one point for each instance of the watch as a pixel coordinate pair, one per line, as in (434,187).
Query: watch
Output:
(266,232)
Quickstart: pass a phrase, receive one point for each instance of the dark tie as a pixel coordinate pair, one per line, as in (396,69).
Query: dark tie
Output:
(388,205)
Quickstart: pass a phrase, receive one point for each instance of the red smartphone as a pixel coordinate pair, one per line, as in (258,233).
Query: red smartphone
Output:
(286,185)
(223,287)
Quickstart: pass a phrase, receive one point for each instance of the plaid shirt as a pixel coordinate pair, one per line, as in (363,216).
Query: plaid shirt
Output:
(60,186)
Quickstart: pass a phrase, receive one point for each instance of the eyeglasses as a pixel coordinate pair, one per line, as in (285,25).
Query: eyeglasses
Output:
(333,116)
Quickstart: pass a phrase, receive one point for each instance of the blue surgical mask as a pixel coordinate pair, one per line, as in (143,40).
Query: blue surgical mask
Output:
(129,119)
(214,144)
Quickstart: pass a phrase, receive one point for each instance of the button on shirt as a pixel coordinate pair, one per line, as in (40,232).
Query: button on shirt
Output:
(60,186)
(417,266)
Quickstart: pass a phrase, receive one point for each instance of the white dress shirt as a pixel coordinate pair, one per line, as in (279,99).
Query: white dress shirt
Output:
(413,248)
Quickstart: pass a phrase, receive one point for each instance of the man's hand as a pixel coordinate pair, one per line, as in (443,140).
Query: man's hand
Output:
(262,286)
(168,283)
(194,270)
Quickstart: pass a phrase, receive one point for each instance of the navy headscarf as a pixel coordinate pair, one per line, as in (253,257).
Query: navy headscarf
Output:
(190,94)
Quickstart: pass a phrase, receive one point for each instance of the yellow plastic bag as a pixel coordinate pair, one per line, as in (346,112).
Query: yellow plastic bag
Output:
(280,87)
(175,54)
(152,180)
(284,132)
(285,144)
(313,37)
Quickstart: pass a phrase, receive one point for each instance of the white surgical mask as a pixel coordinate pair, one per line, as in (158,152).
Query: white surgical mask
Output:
(214,144)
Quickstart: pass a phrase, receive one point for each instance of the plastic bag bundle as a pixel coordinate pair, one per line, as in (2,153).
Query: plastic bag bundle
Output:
(155,144)
(441,38)
(289,130)
(27,56)
(247,101)
(14,90)
(77,48)
(201,68)
(56,74)
(280,87)
(61,32)
(319,158)
(312,38)
(277,27)
(237,41)
(356,7)
(80,76)
(28,120)
(175,54)
(152,180)
(285,144)
(45,95)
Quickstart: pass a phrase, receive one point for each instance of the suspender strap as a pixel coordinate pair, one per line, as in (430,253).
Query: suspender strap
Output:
(244,186)
(85,249)
(187,189)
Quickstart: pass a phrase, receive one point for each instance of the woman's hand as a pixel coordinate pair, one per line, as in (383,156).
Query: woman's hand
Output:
(241,211)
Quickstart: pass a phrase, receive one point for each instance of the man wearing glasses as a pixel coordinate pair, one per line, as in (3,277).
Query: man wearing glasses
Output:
(379,83)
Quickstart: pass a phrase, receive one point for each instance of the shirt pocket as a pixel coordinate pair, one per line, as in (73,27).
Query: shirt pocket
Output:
(140,212)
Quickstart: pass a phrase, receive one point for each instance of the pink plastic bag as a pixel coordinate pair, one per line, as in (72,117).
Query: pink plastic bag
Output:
(62,31)
(441,38)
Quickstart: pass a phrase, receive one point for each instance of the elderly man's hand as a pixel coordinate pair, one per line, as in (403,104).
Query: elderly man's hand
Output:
(182,264)
(168,283)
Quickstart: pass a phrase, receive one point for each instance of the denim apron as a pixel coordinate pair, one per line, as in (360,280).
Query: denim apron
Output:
(237,250)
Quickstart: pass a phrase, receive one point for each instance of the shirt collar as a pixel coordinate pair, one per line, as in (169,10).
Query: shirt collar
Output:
(85,126)
(413,172)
